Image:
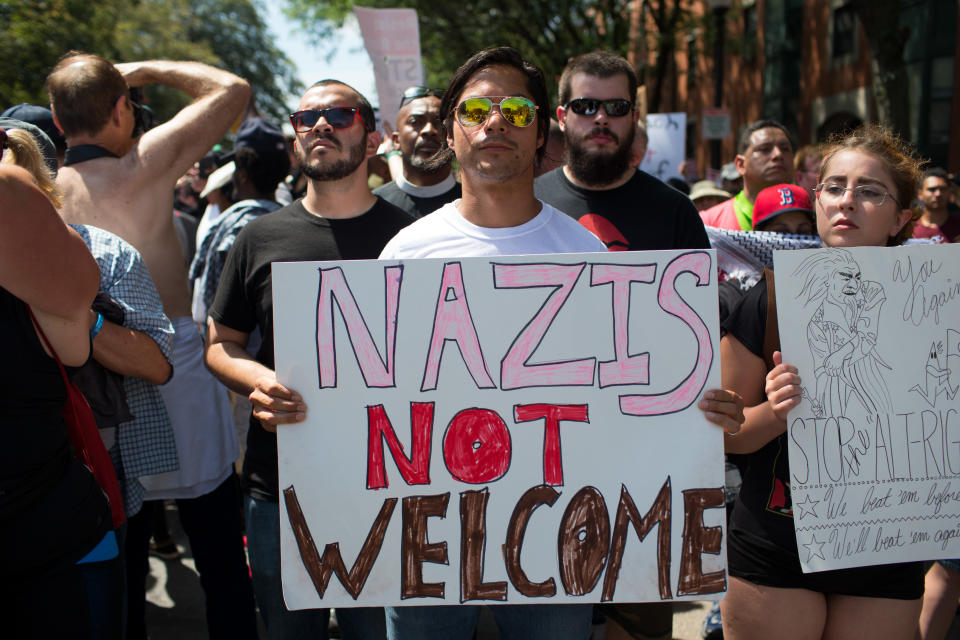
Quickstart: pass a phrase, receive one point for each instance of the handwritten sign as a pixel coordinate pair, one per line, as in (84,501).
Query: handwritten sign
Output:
(715,124)
(518,429)
(875,444)
(666,144)
(392,39)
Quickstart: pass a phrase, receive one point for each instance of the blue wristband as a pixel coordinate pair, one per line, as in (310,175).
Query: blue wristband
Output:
(97,326)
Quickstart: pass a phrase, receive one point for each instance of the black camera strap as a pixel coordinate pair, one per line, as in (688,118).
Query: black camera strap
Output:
(84,152)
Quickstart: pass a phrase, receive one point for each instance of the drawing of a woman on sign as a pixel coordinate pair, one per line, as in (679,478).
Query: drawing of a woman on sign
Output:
(842,334)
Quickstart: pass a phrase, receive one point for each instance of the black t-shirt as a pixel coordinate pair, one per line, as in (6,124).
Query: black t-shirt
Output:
(244,299)
(415,205)
(764,507)
(642,214)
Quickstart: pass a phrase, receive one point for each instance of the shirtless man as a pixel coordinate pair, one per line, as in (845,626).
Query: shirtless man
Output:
(123,182)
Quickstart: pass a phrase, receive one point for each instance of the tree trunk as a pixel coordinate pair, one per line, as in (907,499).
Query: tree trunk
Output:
(887,39)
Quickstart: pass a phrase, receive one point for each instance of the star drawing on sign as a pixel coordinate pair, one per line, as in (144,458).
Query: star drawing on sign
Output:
(808,506)
(814,548)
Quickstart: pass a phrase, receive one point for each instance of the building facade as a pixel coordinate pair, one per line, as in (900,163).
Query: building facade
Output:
(808,65)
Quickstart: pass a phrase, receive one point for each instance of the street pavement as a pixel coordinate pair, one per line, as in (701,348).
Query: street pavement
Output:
(175,608)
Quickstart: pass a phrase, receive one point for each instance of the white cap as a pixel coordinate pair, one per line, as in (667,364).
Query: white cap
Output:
(218,179)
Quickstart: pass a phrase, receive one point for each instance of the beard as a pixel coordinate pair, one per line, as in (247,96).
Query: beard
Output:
(339,169)
(599,168)
(423,163)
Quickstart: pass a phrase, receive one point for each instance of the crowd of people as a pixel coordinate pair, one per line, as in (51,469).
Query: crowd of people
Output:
(173,344)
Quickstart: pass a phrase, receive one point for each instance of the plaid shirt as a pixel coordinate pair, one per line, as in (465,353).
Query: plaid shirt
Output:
(145,445)
(213,248)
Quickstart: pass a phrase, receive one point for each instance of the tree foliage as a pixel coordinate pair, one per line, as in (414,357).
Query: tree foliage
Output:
(34,34)
(226,33)
(546,32)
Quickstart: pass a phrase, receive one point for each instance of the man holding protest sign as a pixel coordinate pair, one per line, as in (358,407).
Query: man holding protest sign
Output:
(495,117)
(337,219)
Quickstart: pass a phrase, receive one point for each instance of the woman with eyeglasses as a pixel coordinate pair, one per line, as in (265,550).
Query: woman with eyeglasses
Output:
(865,185)
(55,523)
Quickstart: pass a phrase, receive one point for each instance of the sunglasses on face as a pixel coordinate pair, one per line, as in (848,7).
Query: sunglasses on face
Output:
(336,117)
(3,142)
(517,110)
(413,93)
(615,107)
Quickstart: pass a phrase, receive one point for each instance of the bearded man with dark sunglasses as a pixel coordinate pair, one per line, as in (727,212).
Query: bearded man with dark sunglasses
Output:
(625,207)
(338,219)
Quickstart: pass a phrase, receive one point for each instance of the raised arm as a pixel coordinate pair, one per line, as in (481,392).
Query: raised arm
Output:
(46,264)
(219,97)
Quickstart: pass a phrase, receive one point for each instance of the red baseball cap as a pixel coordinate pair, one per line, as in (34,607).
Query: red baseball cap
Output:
(778,199)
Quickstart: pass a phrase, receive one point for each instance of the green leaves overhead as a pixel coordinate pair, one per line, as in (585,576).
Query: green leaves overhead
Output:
(545,32)
(227,33)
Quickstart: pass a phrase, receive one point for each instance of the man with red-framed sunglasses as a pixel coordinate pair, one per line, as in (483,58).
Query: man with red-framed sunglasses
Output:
(337,219)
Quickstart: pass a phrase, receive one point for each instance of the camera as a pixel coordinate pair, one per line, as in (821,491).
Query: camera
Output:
(143,117)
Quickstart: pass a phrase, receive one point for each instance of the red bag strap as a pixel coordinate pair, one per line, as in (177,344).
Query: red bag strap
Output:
(82,430)
(53,352)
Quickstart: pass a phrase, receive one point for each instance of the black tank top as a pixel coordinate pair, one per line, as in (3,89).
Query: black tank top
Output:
(51,508)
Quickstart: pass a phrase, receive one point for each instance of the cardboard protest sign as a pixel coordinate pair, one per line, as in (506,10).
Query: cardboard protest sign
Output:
(666,144)
(512,429)
(392,39)
(875,444)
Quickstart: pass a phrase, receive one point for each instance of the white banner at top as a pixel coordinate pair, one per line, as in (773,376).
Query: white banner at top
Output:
(392,39)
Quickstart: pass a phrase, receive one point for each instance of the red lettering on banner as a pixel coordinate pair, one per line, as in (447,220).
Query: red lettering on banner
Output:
(553,414)
(476,446)
(416,468)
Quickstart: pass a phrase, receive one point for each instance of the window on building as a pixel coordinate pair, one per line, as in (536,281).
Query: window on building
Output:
(750,33)
(843,37)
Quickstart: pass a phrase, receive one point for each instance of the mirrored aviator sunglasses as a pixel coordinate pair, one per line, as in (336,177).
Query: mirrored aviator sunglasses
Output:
(517,110)
(614,108)
(336,117)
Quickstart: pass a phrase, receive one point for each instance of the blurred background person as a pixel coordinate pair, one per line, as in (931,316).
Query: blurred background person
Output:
(936,220)
(705,194)
(806,164)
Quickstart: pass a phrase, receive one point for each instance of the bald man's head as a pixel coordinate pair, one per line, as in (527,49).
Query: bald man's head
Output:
(83,90)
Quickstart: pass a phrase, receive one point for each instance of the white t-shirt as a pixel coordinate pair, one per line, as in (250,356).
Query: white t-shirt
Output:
(446,234)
